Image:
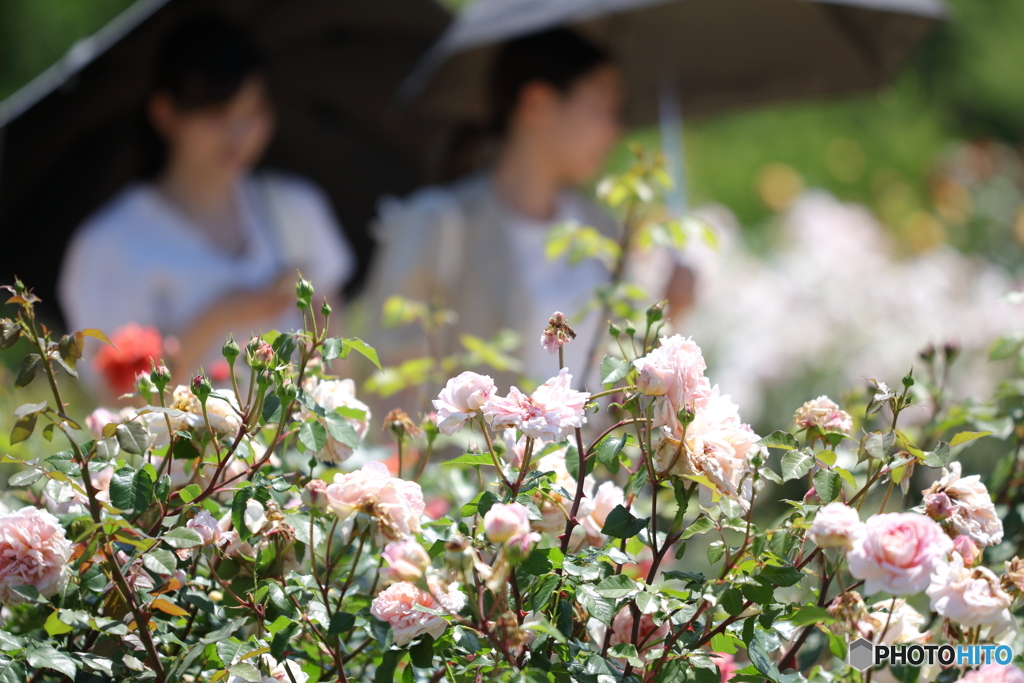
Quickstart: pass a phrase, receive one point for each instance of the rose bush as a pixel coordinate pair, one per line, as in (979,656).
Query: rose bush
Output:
(639,531)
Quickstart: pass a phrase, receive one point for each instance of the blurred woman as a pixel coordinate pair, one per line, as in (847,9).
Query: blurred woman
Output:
(207,247)
(477,246)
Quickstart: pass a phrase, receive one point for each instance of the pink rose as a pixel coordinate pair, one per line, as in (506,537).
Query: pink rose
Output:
(824,414)
(995,673)
(969,597)
(206,526)
(551,413)
(461,399)
(969,509)
(675,372)
(898,553)
(836,526)
(394,503)
(607,498)
(407,560)
(100,418)
(967,548)
(33,552)
(503,521)
(650,634)
(314,494)
(397,606)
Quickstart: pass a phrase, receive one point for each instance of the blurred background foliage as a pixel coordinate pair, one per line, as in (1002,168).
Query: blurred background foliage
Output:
(885,149)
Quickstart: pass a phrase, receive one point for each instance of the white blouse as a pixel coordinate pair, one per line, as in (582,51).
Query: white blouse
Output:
(140,260)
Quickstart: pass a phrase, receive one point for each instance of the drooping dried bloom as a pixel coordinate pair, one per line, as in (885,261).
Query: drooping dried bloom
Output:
(1013,578)
(397,606)
(551,413)
(407,560)
(134,349)
(898,553)
(557,334)
(969,597)
(395,504)
(462,399)
(824,414)
(331,395)
(675,372)
(33,552)
(596,511)
(974,514)
(836,526)
(622,630)
(503,521)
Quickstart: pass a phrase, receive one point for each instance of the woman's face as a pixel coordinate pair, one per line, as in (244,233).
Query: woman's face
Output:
(586,123)
(225,139)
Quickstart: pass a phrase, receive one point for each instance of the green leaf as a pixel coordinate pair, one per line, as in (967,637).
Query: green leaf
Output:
(245,671)
(732,602)
(361,347)
(614,369)
(811,614)
(160,562)
(341,622)
(42,656)
(422,653)
(238,504)
(25,477)
(479,505)
(780,439)
(701,525)
(602,609)
(965,437)
(182,537)
(341,429)
(470,459)
(184,449)
(313,435)
(54,626)
(190,493)
(132,437)
(23,428)
(27,370)
(781,576)
(332,348)
(940,457)
(608,450)
(796,464)
(121,488)
(386,669)
(725,643)
(761,592)
(142,491)
(1005,347)
(620,523)
(540,593)
(616,586)
(828,485)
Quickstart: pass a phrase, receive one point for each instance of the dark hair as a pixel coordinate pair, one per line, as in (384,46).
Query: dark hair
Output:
(558,57)
(204,61)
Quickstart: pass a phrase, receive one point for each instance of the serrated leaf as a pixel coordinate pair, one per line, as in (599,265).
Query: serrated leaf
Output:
(780,439)
(811,614)
(133,437)
(182,537)
(27,370)
(121,488)
(42,656)
(615,586)
(54,626)
(940,457)
(25,477)
(361,347)
(141,491)
(796,464)
(245,671)
(781,576)
(470,459)
(28,409)
(160,562)
(23,428)
(190,493)
(168,607)
(602,609)
(732,601)
(341,429)
(828,485)
(614,369)
(966,437)
(701,525)
(479,505)
(620,523)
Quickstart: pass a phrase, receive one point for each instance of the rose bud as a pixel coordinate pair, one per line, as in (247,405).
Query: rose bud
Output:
(938,506)
(314,495)
(407,560)
(967,548)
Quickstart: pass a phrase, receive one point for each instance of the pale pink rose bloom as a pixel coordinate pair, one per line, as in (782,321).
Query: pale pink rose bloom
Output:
(622,631)
(314,494)
(397,606)
(33,552)
(221,409)
(717,446)
(330,395)
(995,673)
(726,664)
(551,413)
(554,507)
(503,521)
(836,526)
(255,516)
(461,399)
(207,527)
(973,513)
(98,419)
(969,597)
(892,621)
(967,548)
(825,414)
(600,506)
(448,594)
(279,671)
(898,553)
(675,372)
(394,503)
(407,560)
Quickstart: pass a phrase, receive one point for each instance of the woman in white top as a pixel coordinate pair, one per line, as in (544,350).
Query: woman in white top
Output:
(207,247)
(477,246)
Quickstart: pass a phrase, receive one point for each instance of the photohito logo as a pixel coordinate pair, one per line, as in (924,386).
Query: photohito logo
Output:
(863,654)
